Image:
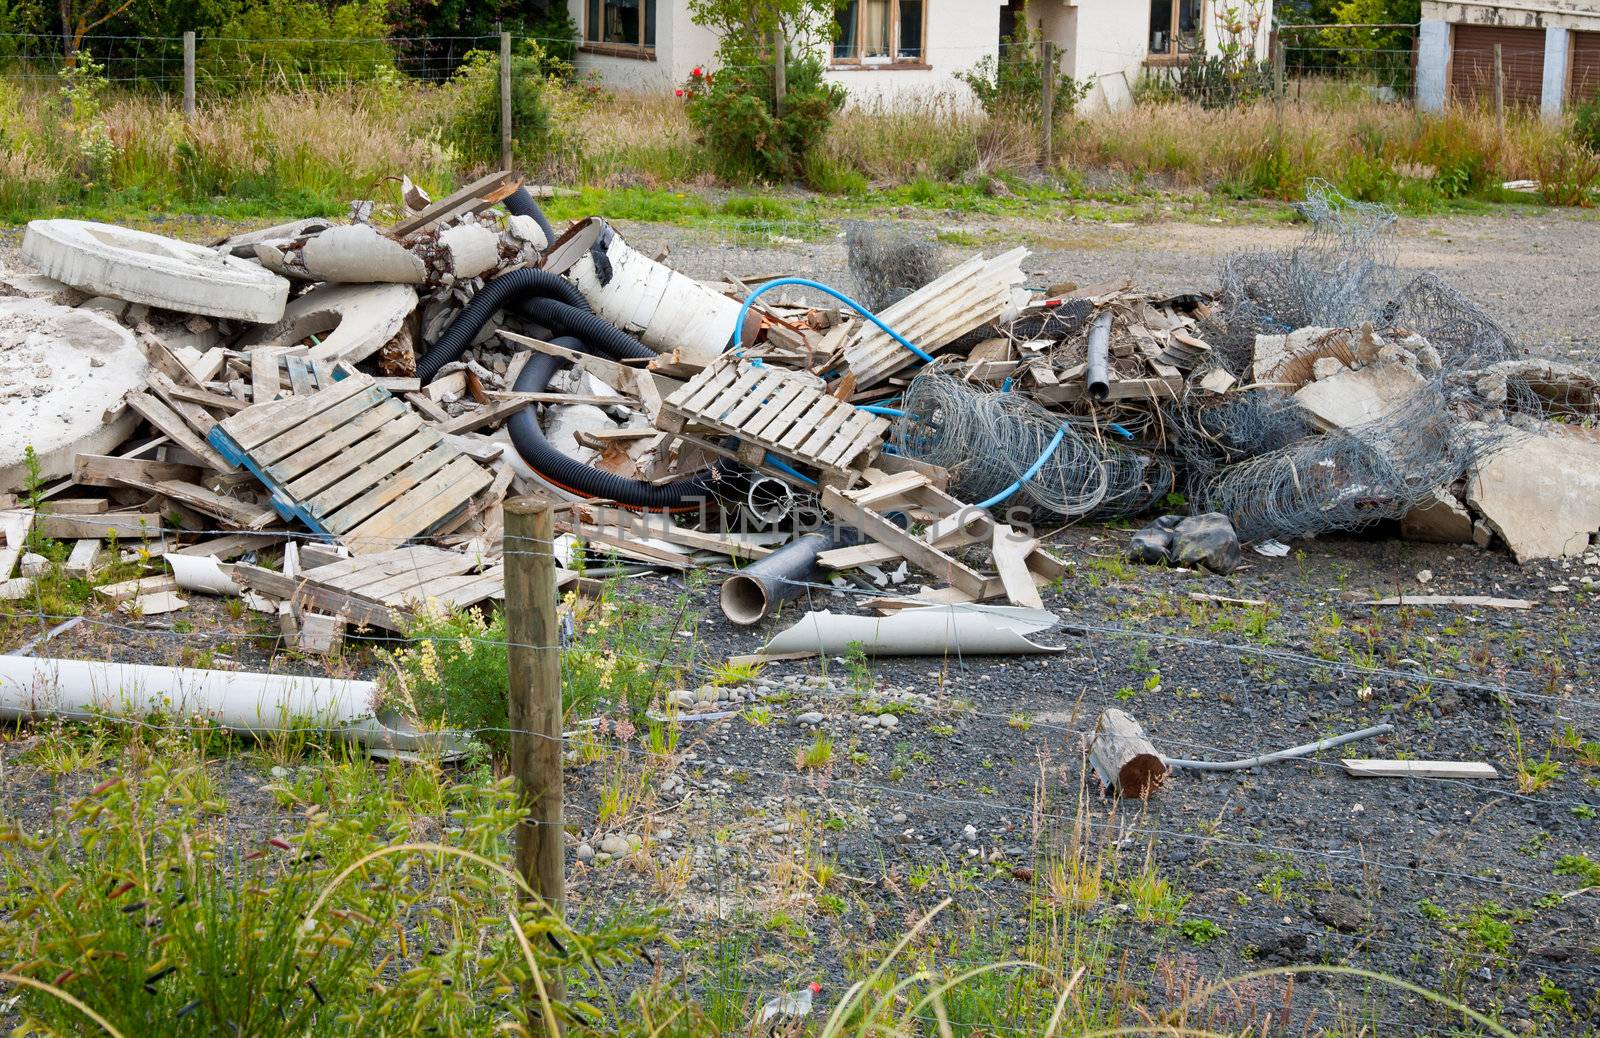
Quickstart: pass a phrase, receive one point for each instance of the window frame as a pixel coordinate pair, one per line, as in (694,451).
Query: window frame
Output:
(640,51)
(1172,55)
(857,64)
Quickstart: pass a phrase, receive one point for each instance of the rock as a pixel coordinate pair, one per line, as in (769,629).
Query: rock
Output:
(1424,576)
(585,852)
(809,717)
(1326,367)
(615,846)
(1206,540)
(887,720)
(1351,398)
(1541,494)
(1441,519)
(34,565)
(1343,913)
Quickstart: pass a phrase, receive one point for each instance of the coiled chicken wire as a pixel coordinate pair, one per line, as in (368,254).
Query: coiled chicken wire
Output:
(1340,275)
(1348,478)
(988,440)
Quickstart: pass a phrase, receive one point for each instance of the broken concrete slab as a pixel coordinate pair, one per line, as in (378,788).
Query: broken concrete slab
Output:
(153,270)
(33,285)
(1355,397)
(1441,519)
(243,245)
(59,367)
(470,249)
(1540,494)
(351,253)
(352,322)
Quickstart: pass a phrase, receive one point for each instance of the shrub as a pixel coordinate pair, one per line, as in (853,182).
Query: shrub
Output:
(455,674)
(1585,127)
(734,113)
(1011,86)
(472,128)
(298,43)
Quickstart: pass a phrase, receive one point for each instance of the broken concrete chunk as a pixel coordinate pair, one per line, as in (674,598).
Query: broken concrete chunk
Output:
(470,250)
(243,245)
(1272,350)
(1351,398)
(526,229)
(1540,494)
(1441,519)
(153,270)
(359,254)
(1327,367)
(49,355)
(352,322)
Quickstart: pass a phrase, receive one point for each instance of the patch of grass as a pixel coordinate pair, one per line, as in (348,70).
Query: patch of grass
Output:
(818,754)
(1581,866)
(729,674)
(1200,932)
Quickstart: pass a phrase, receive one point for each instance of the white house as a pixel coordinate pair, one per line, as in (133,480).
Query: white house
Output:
(1549,52)
(901,50)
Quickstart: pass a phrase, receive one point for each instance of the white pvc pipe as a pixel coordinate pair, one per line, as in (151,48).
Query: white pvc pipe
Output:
(244,702)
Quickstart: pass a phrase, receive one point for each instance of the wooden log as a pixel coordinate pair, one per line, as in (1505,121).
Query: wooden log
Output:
(1124,757)
(1454,769)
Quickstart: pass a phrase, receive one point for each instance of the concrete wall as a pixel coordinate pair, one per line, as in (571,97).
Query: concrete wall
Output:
(960,33)
(1532,14)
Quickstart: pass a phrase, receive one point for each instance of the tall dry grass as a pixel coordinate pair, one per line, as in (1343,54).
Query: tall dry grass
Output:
(302,151)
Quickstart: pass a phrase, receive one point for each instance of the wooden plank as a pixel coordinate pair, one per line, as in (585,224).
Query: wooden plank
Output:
(848,441)
(300,379)
(493,414)
(229,546)
(199,419)
(869,554)
(78,527)
(317,426)
(480,194)
(772,382)
(340,478)
(373,474)
(625,546)
(1009,552)
(422,507)
(1464,601)
(75,505)
(875,495)
(98,470)
(489,584)
(786,420)
(1450,769)
(919,553)
(430,410)
(80,564)
(14,527)
(251,517)
(255,425)
(666,530)
(617,376)
(206,398)
(353,440)
(763,425)
(264,374)
(728,399)
(807,443)
(416,579)
(701,390)
(391,486)
(355,608)
(128,590)
(164,418)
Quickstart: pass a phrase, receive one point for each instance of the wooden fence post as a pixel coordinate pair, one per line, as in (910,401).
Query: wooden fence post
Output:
(534,633)
(505,100)
(1499,91)
(1279,76)
(1047,101)
(780,70)
(188,77)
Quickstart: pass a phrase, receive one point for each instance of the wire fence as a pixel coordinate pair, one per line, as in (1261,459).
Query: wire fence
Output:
(706,785)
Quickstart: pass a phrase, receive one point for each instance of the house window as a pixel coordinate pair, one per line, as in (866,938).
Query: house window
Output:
(1174,27)
(629,24)
(880,32)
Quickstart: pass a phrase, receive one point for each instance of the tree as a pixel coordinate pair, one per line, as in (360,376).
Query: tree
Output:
(746,28)
(79,17)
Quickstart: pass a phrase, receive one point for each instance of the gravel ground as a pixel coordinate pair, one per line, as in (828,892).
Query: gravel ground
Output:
(979,784)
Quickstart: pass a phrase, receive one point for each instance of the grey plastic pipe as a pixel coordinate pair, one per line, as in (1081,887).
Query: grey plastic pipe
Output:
(1268,758)
(1097,373)
(750,595)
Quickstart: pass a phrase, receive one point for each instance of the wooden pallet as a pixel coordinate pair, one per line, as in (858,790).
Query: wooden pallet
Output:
(352,463)
(773,410)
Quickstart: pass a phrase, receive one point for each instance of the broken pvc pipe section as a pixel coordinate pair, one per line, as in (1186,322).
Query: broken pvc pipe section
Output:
(1097,372)
(750,595)
(243,702)
(938,630)
(1267,758)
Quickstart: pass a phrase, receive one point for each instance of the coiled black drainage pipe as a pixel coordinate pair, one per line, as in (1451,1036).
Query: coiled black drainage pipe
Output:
(521,203)
(601,335)
(571,474)
(503,290)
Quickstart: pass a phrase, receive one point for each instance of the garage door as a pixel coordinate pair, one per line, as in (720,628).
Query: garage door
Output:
(1585,65)
(1521,58)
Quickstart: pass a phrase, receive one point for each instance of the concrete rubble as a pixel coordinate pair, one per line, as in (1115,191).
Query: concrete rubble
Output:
(361,398)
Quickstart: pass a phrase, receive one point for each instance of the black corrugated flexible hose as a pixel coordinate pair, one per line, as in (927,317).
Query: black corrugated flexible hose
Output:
(514,286)
(521,203)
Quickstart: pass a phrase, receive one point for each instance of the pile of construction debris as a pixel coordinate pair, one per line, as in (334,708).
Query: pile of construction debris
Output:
(362,400)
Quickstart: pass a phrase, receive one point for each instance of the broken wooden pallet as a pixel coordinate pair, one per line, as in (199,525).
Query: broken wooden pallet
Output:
(352,463)
(772,410)
(384,589)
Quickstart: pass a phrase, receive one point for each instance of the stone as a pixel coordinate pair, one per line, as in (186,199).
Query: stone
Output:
(34,565)
(1540,494)
(1441,519)
(1273,350)
(154,270)
(1206,540)
(585,852)
(1353,398)
(82,350)
(1326,367)
(887,720)
(1341,912)
(615,845)
(351,322)
(809,717)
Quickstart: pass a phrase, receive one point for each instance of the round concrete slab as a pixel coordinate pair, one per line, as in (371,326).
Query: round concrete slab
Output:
(156,271)
(61,368)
